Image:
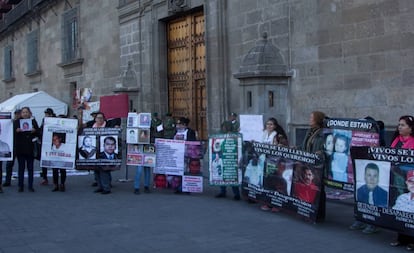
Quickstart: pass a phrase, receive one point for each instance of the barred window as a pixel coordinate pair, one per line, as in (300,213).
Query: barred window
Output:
(32,52)
(8,62)
(70,41)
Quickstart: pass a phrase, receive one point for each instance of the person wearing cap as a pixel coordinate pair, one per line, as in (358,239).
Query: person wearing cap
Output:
(90,123)
(156,129)
(186,134)
(230,126)
(10,164)
(404,138)
(405,202)
(370,192)
(169,126)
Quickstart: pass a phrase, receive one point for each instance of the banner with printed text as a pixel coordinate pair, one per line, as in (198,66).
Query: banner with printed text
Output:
(224,155)
(59,143)
(283,178)
(6,136)
(99,147)
(340,135)
(384,188)
(179,164)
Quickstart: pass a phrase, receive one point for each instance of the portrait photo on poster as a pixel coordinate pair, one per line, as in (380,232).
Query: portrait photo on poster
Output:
(5,139)
(26,125)
(109,147)
(87,147)
(143,135)
(144,120)
(372,182)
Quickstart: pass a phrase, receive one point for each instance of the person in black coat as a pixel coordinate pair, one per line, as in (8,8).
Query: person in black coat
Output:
(25,146)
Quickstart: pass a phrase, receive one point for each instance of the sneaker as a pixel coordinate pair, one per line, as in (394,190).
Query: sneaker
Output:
(44,182)
(357,225)
(410,246)
(136,191)
(275,210)
(370,229)
(265,208)
(221,195)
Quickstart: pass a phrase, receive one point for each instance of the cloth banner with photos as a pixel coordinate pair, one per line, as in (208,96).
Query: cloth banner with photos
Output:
(99,147)
(225,151)
(384,187)
(340,135)
(283,178)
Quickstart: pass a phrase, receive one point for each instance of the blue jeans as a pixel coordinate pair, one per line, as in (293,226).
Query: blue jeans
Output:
(147,176)
(23,161)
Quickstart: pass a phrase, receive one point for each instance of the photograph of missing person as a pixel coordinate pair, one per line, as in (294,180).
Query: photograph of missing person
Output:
(305,182)
(143,136)
(87,147)
(372,182)
(26,125)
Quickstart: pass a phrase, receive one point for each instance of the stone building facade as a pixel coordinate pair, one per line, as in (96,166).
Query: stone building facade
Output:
(282,58)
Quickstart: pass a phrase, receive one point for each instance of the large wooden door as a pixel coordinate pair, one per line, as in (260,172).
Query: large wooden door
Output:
(186,71)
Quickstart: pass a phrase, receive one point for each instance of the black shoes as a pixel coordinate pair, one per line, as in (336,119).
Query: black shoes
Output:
(237,197)
(6,184)
(98,190)
(136,191)
(146,189)
(105,192)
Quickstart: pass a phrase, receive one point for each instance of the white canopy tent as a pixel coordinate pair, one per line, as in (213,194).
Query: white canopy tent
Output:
(37,102)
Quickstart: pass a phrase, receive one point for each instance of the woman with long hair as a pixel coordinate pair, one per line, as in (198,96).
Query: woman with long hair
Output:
(25,147)
(404,138)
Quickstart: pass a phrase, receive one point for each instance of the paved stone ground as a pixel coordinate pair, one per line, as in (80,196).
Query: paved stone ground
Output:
(79,220)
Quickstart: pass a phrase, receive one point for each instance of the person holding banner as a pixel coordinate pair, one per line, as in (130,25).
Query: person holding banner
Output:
(274,134)
(404,138)
(25,148)
(10,164)
(314,143)
(103,175)
(183,133)
(58,145)
(229,126)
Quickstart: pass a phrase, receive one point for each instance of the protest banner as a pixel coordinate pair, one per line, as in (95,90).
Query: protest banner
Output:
(107,149)
(59,143)
(6,136)
(141,155)
(224,155)
(340,135)
(284,178)
(384,187)
(249,125)
(177,159)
